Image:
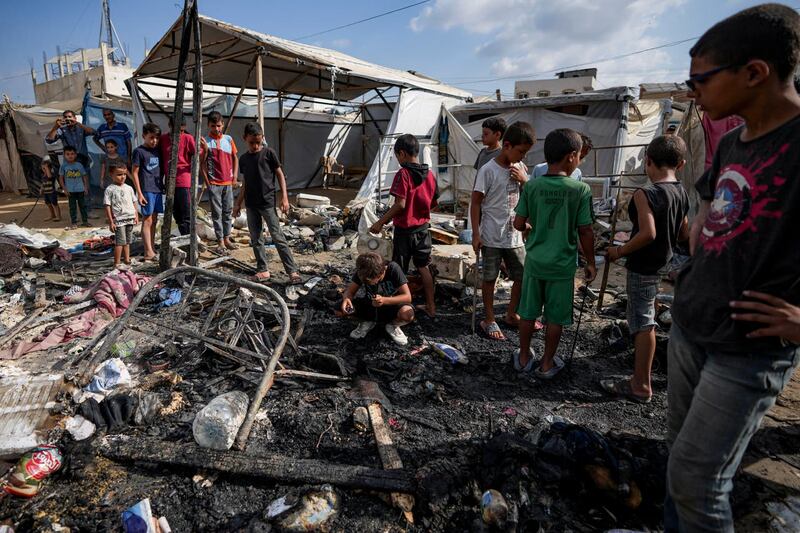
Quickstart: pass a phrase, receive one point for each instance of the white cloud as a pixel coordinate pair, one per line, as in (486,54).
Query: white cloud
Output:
(524,37)
(341,43)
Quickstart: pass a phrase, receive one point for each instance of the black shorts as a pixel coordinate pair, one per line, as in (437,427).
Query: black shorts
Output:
(364,310)
(412,244)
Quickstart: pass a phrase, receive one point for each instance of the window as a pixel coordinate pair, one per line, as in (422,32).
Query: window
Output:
(542,94)
(568,91)
(523,95)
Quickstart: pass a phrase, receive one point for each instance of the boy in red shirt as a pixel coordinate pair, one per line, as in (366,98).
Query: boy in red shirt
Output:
(183,179)
(415,192)
(220,168)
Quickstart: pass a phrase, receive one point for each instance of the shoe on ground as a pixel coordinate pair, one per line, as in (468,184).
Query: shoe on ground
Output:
(528,366)
(361,331)
(396,334)
(558,365)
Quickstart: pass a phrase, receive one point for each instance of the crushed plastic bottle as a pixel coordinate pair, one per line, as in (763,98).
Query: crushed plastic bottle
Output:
(494,509)
(450,353)
(216,425)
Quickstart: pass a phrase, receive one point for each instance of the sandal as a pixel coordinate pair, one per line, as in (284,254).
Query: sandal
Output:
(558,365)
(491,329)
(295,278)
(528,366)
(262,276)
(621,389)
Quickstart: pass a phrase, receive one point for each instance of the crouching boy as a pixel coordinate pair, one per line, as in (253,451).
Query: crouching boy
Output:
(377,293)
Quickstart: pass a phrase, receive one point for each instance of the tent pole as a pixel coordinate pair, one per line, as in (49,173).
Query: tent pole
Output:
(189,14)
(260,90)
(280,126)
(241,91)
(197,106)
(150,98)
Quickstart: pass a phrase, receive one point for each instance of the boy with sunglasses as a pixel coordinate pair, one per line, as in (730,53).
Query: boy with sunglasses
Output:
(734,340)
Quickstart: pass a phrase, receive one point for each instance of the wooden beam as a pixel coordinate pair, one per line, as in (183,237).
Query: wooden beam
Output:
(273,467)
(390,458)
(260,90)
(197,108)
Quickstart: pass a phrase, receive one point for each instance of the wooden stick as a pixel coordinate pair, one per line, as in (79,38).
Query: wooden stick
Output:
(607,265)
(22,324)
(390,458)
(475,292)
(277,467)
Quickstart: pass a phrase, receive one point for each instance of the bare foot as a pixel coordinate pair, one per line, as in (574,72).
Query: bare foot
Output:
(492,330)
(263,275)
(294,277)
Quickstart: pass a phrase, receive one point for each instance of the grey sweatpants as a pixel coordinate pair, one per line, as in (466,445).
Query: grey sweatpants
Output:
(255,219)
(221,197)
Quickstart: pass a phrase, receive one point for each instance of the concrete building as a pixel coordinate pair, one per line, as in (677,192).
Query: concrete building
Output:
(569,82)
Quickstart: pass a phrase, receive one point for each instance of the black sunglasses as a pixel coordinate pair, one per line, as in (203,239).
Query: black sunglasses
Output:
(703,77)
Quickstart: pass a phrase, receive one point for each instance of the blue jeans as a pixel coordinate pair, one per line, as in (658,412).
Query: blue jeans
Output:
(716,403)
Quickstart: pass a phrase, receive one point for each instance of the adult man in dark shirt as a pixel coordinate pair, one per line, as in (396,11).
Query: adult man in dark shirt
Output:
(727,368)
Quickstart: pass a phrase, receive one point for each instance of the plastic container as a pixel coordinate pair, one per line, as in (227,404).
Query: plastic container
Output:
(216,425)
(450,353)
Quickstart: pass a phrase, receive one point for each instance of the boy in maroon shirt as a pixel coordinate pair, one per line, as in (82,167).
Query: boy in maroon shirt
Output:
(415,192)
(183,178)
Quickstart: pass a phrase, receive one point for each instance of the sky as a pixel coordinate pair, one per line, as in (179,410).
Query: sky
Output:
(477,45)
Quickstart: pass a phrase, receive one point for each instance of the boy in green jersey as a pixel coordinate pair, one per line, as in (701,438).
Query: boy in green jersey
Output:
(559,212)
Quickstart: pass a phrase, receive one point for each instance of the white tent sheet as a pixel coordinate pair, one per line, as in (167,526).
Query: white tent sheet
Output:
(288,66)
(416,112)
(456,182)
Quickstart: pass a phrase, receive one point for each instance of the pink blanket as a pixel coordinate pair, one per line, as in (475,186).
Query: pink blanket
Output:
(113,292)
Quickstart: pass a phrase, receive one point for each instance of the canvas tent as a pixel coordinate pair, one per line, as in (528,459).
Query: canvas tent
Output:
(253,62)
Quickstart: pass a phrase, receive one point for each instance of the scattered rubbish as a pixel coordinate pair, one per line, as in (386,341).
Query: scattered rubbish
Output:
(147,408)
(361,419)
(204,480)
(139,518)
(169,297)
(164,525)
(32,468)
(79,427)
(312,200)
(665,298)
(110,414)
(281,505)
(785,515)
(616,339)
(494,509)
(109,375)
(123,349)
(665,318)
(450,353)
(315,511)
(215,425)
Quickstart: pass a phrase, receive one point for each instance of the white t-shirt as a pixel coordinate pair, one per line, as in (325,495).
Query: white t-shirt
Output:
(122,200)
(541,170)
(500,197)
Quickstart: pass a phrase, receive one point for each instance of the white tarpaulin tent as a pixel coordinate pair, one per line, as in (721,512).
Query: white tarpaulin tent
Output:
(417,113)
(599,114)
(289,67)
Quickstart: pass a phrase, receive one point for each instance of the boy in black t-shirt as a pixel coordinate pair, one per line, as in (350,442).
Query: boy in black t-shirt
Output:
(736,316)
(261,170)
(378,292)
(658,213)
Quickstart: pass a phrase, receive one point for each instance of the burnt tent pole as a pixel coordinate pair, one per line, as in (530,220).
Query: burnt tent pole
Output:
(197,110)
(189,11)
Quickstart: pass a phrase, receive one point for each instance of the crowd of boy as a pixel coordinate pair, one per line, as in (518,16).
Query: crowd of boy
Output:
(734,341)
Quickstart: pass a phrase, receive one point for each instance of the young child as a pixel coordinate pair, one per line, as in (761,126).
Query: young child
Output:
(220,171)
(120,202)
(415,192)
(74,182)
(541,168)
(183,179)
(378,292)
(559,212)
(263,176)
(149,184)
(49,192)
(494,198)
(736,318)
(492,131)
(658,213)
(109,159)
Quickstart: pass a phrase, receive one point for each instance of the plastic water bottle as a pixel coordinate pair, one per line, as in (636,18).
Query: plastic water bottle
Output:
(216,425)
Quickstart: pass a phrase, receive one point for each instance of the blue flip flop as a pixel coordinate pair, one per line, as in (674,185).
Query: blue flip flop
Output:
(528,367)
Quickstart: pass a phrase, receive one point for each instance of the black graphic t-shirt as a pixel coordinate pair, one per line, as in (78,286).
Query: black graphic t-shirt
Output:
(388,286)
(750,240)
